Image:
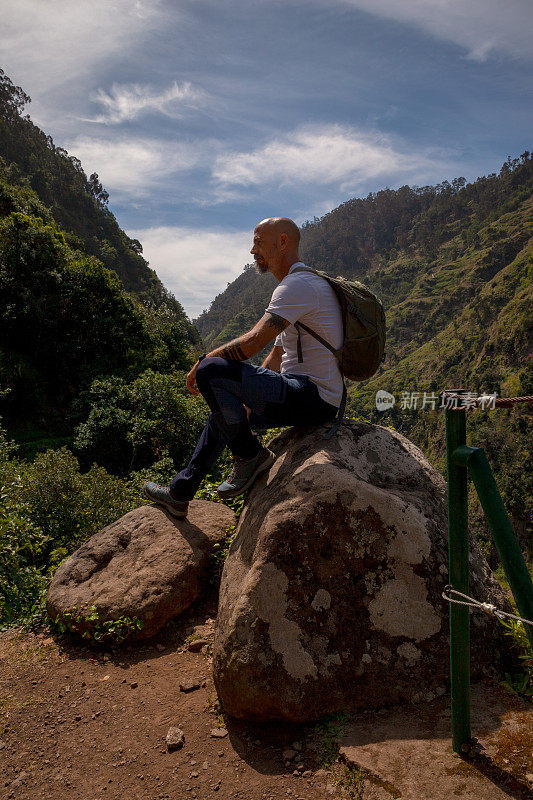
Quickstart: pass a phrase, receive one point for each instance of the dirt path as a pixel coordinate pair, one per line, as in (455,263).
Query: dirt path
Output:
(80,723)
(85,724)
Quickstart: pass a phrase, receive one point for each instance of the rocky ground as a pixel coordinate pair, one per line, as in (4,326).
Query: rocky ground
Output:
(82,723)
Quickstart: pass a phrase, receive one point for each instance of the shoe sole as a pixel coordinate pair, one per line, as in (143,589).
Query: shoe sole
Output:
(171,510)
(266,464)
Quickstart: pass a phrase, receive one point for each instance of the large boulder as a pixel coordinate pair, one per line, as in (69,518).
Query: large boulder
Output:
(146,565)
(330,596)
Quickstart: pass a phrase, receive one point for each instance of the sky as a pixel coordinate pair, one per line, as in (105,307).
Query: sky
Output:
(203,117)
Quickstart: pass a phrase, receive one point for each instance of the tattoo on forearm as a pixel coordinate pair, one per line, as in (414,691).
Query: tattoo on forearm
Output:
(277,322)
(233,351)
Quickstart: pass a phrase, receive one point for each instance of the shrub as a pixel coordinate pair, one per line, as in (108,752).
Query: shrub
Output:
(132,425)
(69,506)
(21,542)
(87,623)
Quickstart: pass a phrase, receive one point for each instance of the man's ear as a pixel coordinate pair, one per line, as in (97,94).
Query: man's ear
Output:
(283,241)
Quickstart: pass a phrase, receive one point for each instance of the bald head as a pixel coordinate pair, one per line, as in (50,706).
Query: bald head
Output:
(282,225)
(275,246)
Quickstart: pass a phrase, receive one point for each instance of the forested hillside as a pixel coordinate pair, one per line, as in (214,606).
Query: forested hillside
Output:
(453,266)
(93,357)
(78,301)
(77,204)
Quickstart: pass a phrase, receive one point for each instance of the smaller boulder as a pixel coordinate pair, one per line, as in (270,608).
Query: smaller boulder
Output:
(147,566)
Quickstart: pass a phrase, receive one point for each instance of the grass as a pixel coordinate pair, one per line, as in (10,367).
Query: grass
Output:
(9,703)
(324,739)
(213,706)
(352,782)
(520,683)
(348,778)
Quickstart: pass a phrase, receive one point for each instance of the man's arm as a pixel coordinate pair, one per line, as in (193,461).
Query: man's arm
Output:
(245,346)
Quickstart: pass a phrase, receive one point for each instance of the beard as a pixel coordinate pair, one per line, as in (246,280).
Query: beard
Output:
(261,267)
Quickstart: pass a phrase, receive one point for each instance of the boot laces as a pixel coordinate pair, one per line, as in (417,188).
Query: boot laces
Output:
(237,465)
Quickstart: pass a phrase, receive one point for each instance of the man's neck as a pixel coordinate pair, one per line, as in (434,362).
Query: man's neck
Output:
(282,271)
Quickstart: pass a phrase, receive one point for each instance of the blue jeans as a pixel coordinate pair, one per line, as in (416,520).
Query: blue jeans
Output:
(274,400)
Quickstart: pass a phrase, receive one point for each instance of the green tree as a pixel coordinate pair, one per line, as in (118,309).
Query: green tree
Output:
(64,318)
(132,425)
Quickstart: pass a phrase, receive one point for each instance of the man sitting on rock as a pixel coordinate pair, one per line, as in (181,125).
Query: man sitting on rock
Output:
(285,390)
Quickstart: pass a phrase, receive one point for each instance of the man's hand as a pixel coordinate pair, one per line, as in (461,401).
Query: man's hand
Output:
(246,346)
(190,383)
(273,359)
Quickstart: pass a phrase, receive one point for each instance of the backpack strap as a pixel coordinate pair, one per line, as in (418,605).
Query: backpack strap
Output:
(298,325)
(304,269)
(340,414)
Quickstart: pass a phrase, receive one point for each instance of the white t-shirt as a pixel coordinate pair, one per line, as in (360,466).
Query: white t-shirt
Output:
(308,298)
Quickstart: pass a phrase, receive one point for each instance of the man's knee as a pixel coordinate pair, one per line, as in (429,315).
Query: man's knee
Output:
(216,367)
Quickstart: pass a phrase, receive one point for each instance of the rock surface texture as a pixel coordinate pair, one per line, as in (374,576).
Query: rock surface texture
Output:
(146,565)
(331,592)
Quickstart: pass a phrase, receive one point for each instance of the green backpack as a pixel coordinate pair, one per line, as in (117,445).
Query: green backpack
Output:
(364,329)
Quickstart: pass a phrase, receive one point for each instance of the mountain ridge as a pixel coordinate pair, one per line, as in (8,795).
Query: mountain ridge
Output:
(417,222)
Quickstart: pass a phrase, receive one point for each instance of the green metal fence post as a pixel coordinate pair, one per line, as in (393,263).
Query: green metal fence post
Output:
(502,531)
(458,578)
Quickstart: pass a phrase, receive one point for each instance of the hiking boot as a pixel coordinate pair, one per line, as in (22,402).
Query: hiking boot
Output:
(245,472)
(161,496)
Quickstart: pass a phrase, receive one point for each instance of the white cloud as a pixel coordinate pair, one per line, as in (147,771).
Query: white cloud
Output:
(322,155)
(48,44)
(133,166)
(127,101)
(195,264)
(335,159)
(482,27)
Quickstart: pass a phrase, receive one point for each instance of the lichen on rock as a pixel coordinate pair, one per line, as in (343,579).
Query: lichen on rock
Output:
(330,595)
